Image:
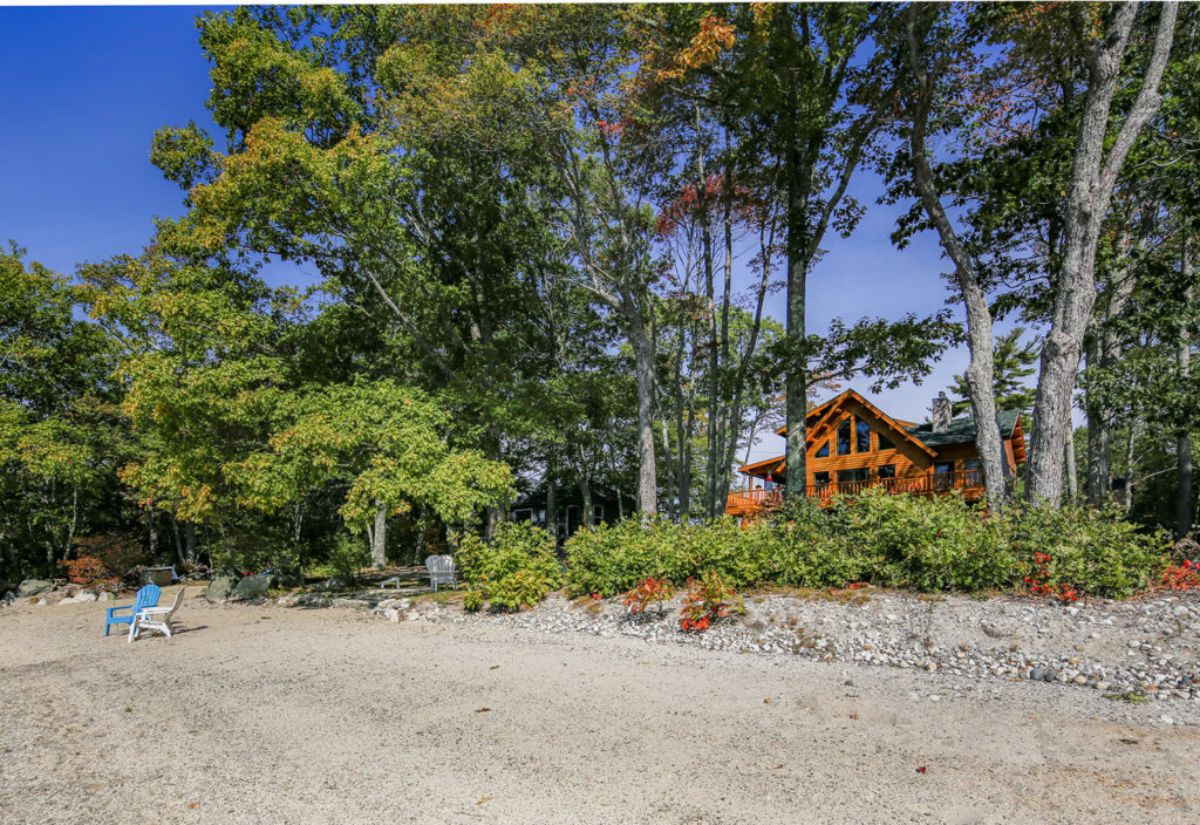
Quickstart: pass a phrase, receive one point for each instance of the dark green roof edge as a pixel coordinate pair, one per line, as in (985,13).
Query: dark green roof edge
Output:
(962,430)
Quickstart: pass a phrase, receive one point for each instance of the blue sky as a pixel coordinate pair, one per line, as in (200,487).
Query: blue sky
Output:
(83,89)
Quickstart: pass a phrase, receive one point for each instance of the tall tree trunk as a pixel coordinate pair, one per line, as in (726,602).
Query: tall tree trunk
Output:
(799,185)
(1185,506)
(1072,480)
(189,544)
(980,371)
(585,495)
(551,508)
(1099,435)
(643,362)
(1093,175)
(1130,441)
(379,538)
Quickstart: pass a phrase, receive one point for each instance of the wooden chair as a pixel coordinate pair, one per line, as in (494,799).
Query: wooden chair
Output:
(156,618)
(441,571)
(146,597)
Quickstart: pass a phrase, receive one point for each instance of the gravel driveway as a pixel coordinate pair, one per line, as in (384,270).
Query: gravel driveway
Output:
(278,715)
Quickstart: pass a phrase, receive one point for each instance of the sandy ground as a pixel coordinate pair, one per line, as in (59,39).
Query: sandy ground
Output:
(276,715)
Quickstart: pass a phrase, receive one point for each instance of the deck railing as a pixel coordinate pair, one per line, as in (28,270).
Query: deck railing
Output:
(742,501)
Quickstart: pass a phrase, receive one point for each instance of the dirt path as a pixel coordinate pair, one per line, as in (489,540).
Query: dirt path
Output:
(273,715)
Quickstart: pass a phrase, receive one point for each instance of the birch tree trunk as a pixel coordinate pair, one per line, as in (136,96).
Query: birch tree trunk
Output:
(980,371)
(379,538)
(1093,175)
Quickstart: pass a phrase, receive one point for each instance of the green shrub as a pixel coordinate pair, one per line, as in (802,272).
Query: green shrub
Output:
(348,556)
(514,570)
(930,544)
(1099,552)
(617,558)
(472,601)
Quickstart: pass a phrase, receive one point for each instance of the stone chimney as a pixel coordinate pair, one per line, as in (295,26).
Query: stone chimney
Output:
(942,413)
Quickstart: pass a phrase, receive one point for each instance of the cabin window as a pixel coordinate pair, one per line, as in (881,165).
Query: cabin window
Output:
(820,479)
(887,471)
(823,452)
(857,474)
(973,469)
(943,475)
(522,515)
(862,433)
(885,443)
(843,438)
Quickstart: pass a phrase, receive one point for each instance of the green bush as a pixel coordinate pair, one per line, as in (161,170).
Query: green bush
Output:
(927,544)
(1099,552)
(614,559)
(514,570)
(930,544)
(348,556)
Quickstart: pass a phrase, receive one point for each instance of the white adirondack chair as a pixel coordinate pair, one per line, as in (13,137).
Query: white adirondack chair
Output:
(441,571)
(155,618)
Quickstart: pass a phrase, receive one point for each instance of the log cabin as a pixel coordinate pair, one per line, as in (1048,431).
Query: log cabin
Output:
(853,445)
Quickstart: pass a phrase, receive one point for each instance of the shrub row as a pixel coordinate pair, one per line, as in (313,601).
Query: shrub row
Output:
(896,541)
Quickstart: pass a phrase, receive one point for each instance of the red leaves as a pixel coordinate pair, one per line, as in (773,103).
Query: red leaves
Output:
(708,600)
(1184,576)
(1039,583)
(921,769)
(651,590)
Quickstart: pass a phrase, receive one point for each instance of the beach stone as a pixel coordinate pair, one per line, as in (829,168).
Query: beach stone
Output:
(221,588)
(9,598)
(105,597)
(32,587)
(85,596)
(252,587)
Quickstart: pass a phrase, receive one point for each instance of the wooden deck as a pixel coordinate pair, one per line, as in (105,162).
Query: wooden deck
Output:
(757,503)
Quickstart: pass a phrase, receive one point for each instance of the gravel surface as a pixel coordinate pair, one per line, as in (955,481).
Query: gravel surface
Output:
(268,714)
(1148,646)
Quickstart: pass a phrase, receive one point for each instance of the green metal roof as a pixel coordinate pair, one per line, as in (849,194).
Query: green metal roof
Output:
(962,429)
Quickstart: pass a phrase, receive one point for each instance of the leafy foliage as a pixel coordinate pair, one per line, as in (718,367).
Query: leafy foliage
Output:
(516,569)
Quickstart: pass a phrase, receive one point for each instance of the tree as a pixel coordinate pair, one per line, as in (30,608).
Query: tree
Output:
(58,434)
(1096,166)
(1012,363)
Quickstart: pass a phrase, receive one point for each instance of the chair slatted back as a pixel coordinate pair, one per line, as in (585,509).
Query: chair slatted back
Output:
(441,568)
(146,597)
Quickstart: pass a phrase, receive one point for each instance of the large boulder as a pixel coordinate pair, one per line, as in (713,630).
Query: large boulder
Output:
(221,588)
(31,587)
(252,587)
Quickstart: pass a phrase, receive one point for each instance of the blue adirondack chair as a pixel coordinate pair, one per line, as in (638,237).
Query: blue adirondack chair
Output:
(146,597)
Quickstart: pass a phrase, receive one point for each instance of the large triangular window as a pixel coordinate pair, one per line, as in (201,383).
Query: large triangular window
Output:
(885,443)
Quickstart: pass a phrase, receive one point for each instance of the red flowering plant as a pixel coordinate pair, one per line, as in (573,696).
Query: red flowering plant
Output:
(708,601)
(651,591)
(89,571)
(1040,582)
(1185,576)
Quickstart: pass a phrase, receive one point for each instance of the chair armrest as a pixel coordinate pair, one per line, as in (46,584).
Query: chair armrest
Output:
(112,611)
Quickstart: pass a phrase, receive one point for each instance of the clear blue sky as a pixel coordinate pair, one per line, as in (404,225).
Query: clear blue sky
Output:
(83,89)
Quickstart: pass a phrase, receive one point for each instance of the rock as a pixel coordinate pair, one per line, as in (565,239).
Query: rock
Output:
(9,598)
(85,596)
(221,588)
(251,587)
(105,597)
(1037,674)
(1080,679)
(32,587)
